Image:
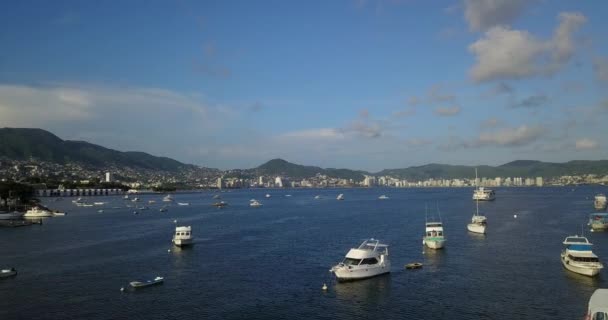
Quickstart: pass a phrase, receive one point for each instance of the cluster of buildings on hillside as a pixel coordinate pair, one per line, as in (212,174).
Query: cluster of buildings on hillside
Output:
(73,175)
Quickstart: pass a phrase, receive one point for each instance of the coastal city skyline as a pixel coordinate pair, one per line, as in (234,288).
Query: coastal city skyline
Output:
(364,85)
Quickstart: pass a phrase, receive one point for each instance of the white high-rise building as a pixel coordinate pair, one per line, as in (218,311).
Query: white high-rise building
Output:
(219,183)
(108,177)
(278,182)
(539,181)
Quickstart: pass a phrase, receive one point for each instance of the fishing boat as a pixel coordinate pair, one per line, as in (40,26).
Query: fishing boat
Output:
(370,259)
(434,237)
(254,203)
(340,197)
(597,308)
(37,212)
(478,222)
(168,198)
(600,202)
(598,221)
(578,257)
(383,197)
(7,273)
(183,236)
(481,193)
(146,283)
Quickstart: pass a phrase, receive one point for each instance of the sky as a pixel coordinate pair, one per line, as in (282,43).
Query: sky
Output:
(359,84)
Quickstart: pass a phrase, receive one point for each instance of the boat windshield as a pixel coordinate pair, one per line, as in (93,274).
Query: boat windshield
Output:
(351,262)
(576,240)
(584,259)
(434,234)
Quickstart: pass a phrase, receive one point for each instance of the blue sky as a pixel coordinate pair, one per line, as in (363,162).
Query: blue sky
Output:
(366,84)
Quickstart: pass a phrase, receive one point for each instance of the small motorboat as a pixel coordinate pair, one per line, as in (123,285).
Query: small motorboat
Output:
(413,265)
(7,273)
(59,213)
(340,197)
(254,203)
(268,195)
(147,283)
(317,197)
(220,204)
(163,209)
(383,197)
(183,203)
(217,196)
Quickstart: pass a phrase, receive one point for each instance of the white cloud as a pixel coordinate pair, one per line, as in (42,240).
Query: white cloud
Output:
(586,143)
(314,134)
(503,53)
(484,14)
(447,111)
(519,136)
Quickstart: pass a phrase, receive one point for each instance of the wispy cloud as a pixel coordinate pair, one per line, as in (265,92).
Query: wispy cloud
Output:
(586,143)
(484,14)
(511,137)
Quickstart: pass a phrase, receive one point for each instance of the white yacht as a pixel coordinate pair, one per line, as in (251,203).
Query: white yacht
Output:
(340,197)
(383,197)
(434,238)
(478,222)
(36,212)
(598,305)
(600,202)
(578,257)
(168,198)
(254,203)
(481,193)
(598,221)
(10,215)
(183,236)
(368,260)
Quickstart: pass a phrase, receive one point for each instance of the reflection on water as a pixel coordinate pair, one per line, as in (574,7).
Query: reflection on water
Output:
(580,279)
(371,291)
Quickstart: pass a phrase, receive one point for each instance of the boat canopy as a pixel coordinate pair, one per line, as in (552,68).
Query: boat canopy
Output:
(576,240)
(599,301)
(183,229)
(434,224)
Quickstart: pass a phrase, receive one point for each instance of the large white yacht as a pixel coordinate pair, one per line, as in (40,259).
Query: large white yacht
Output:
(368,260)
(478,222)
(600,202)
(578,257)
(183,236)
(36,212)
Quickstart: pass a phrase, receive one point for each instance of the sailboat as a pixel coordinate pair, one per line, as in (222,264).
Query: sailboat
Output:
(433,237)
(478,222)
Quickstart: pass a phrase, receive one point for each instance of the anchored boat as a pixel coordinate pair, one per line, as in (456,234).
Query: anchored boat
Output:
(147,283)
(600,202)
(478,222)
(578,257)
(7,273)
(183,236)
(598,221)
(370,259)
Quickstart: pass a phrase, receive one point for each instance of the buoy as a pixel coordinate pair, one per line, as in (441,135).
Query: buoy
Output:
(168,250)
(122,289)
(515,216)
(324,287)
(175,221)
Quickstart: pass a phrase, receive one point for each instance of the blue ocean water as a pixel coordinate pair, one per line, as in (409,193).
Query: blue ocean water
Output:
(271,262)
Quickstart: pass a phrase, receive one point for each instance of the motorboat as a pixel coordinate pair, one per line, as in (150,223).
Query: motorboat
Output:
(183,236)
(77,200)
(268,195)
(37,212)
(136,199)
(10,215)
(598,221)
(383,197)
(340,197)
(126,196)
(481,193)
(368,260)
(317,197)
(600,202)
(220,204)
(151,201)
(163,209)
(478,222)
(183,203)
(58,213)
(146,283)
(168,198)
(578,257)
(287,195)
(99,203)
(7,273)
(254,203)
(598,305)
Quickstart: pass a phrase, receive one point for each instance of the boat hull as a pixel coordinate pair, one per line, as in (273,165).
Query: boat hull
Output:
(476,228)
(344,274)
(586,271)
(182,242)
(434,243)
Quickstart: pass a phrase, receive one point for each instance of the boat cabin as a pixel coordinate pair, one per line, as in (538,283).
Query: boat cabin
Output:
(368,253)
(183,232)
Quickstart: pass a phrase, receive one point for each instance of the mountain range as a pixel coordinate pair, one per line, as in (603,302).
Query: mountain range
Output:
(24,144)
